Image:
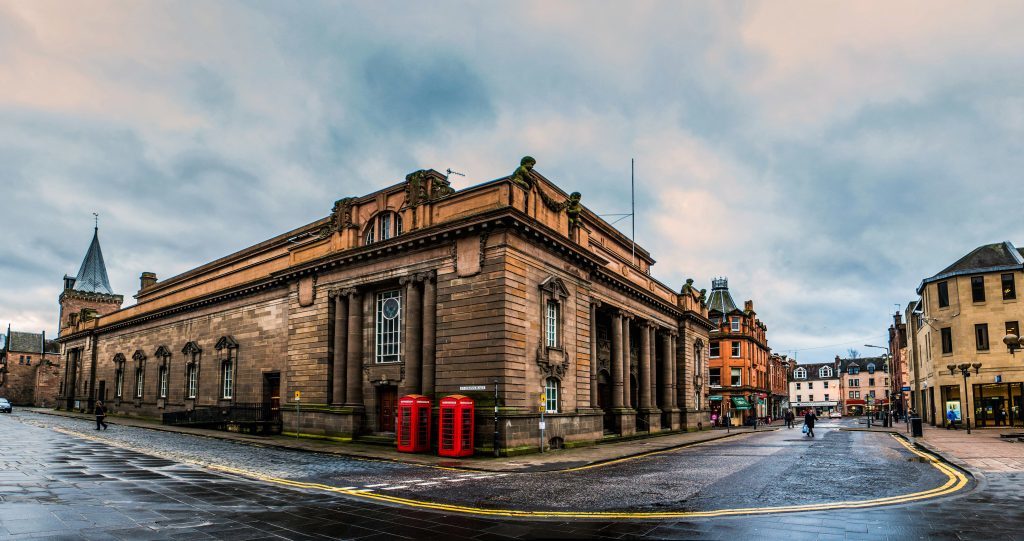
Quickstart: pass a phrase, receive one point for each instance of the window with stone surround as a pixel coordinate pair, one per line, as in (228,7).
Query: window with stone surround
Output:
(977,288)
(715,377)
(947,340)
(981,336)
(737,377)
(551,319)
(227,352)
(1009,287)
(140,373)
(943,288)
(551,395)
(119,361)
(383,226)
(193,356)
(227,377)
(389,326)
(163,382)
(734,323)
(714,351)
(736,349)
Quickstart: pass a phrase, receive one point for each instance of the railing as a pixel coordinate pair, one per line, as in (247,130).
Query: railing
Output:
(250,415)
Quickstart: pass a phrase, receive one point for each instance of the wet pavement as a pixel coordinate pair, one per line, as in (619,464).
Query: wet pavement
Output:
(60,479)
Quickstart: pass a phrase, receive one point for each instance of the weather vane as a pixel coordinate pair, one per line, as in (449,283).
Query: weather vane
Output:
(96,220)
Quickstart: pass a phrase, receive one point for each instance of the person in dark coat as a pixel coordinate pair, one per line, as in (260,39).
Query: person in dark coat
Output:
(101,414)
(790,418)
(809,419)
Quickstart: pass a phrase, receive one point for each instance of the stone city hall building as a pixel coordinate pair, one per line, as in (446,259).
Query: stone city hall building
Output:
(413,289)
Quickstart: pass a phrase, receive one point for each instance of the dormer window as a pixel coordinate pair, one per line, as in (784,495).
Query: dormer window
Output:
(734,324)
(871,368)
(383,226)
(825,372)
(800,373)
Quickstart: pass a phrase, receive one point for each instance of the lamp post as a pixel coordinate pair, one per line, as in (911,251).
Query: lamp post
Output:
(965,369)
(1013,343)
(888,367)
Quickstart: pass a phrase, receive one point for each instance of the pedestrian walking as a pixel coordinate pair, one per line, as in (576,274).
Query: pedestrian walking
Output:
(714,419)
(101,414)
(789,418)
(951,417)
(809,420)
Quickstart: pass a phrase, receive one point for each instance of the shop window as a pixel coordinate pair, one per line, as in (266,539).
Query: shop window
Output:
(947,340)
(981,336)
(943,288)
(714,350)
(1009,287)
(978,288)
(551,395)
(735,350)
(389,326)
(737,377)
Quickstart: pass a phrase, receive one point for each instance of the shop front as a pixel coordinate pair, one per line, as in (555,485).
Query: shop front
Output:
(715,402)
(820,407)
(998,404)
(855,406)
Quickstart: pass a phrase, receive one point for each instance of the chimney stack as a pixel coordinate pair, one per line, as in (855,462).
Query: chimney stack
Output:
(748,306)
(147,279)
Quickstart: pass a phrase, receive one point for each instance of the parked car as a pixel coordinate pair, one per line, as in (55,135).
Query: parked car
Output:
(5,406)
(835,415)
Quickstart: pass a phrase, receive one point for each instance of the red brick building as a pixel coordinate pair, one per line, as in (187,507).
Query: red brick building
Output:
(413,289)
(29,369)
(738,359)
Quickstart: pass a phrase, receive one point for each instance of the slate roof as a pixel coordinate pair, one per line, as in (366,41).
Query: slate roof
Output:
(862,363)
(1001,256)
(720,299)
(30,342)
(813,372)
(92,276)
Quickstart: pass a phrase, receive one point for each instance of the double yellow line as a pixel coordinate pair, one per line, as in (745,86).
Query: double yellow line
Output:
(955,480)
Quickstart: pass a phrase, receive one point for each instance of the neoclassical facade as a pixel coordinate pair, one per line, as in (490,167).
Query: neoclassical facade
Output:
(415,289)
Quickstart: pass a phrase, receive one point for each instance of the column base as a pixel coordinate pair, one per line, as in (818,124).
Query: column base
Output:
(671,419)
(625,422)
(649,418)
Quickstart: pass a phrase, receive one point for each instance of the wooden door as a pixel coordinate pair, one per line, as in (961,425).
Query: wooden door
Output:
(272,394)
(387,401)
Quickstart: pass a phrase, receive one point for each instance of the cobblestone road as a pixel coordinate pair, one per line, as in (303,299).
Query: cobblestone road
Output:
(56,485)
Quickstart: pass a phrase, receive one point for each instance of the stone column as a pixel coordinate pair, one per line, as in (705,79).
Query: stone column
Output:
(617,393)
(413,335)
(653,330)
(594,399)
(354,353)
(679,396)
(627,357)
(429,331)
(668,390)
(644,362)
(338,387)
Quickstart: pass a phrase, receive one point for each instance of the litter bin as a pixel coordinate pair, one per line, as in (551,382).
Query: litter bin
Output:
(916,428)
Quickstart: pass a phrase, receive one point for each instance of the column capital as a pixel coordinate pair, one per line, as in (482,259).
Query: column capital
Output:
(426,276)
(596,303)
(349,292)
(648,324)
(407,279)
(626,315)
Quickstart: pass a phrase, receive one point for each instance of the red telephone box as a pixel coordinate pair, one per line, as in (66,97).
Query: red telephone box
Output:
(413,426)
(456,427)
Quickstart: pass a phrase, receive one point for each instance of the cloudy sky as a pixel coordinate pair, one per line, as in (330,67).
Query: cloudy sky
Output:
(824,156)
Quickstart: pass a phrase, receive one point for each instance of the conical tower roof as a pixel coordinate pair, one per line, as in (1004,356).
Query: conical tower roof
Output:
(92,276)
(720,299)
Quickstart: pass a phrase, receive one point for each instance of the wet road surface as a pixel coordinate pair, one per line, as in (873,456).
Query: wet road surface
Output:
(62,486)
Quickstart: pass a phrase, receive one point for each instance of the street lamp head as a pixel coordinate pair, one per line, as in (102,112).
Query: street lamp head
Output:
(952,368)
(1011,340)
(976,366)
(963,366)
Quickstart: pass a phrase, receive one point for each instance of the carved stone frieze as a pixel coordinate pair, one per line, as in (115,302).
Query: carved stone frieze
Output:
(342,214)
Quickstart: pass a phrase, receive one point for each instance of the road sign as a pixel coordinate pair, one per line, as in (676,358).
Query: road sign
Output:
(472,387)
(905,388)
(298,395)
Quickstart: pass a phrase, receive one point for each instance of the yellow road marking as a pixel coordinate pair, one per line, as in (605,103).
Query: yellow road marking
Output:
(955,480)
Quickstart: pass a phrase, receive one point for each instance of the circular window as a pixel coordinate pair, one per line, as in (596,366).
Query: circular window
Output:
(390,308)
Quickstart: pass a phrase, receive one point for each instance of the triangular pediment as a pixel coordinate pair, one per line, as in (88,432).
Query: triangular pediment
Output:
(191,348)
(162,352)
(555,286)
(226,342)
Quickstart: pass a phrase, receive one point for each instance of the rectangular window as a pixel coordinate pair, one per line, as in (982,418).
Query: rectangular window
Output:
(799,398)
(385,226)
(737,377)
(715,377)
(947,340)
(138,382)
(981,336)
(1009,287)
(552,324)
(978,288)
(734,324)
(735,349)
(715,353)
(825,383)
(871,393)
(798,385)
(857,393)
(551,396)
(191,375)
(389,326)
(810,384)
(943,288)
(163,382)
(228,378)
(119,383)
(1013,328)
(851,394)
(871,382)
(810,398)
(826,397)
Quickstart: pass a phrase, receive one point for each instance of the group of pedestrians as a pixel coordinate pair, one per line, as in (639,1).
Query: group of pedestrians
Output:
(809,419)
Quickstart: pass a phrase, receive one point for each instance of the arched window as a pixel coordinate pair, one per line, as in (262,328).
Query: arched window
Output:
(825,372)
(551,395)
(800,373)
(383,226)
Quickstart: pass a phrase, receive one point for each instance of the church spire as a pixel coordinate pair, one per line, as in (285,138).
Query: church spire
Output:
(92,276)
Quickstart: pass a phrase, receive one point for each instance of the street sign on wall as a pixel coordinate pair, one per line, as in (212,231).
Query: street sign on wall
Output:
(472,387)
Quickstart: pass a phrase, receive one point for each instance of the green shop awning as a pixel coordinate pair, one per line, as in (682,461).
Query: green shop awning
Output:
(715,398)
(740,402)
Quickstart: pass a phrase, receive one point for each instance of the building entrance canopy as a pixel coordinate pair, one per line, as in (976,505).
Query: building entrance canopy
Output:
(740,403)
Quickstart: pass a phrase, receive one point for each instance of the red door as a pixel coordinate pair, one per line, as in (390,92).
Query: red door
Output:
(387,400)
